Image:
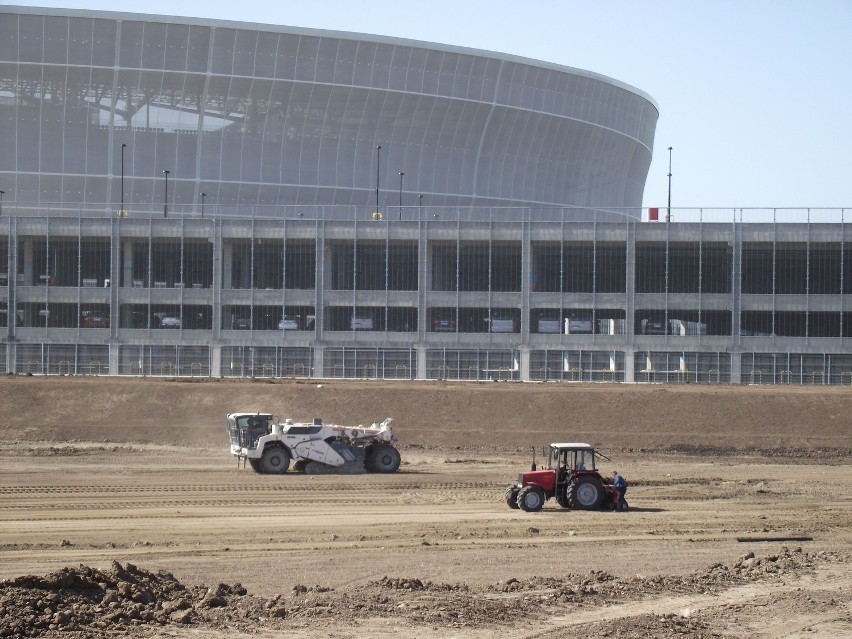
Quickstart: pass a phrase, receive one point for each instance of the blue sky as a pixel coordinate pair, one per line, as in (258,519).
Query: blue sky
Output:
(755,96)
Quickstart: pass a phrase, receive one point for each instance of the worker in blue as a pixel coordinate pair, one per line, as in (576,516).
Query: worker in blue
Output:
(621,486)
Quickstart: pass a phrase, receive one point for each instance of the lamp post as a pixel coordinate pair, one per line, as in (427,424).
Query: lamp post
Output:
(378,154)
(166,196)
(2,193)
(669,207)
(203,195)
(401,175)
(121,210)
(420,207)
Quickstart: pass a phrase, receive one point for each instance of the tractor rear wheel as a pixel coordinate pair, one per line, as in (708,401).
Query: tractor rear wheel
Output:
(275,460)
(382,458)
(531,499)
(512,497)
(587,493)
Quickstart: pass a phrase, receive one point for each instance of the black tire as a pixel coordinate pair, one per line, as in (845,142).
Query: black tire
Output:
(255,465)
(299,465)
(512,497)
(275,460)
(382,458)
(531,499)
(587,493)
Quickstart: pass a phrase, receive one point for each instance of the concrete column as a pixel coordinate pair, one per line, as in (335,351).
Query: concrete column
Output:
(323,279)
(12,294)
(216,361)
(29,271)
(318,362)
(736,368)
(113,359)
(227,265)
(127,264)
(424,264)
(629,363)
(629,306)
(524,364)
(216,290)
(421,362)
(11,357)
(526,286)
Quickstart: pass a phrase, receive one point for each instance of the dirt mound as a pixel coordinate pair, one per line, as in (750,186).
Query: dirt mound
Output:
(87,599)
(124,598)
(506,416)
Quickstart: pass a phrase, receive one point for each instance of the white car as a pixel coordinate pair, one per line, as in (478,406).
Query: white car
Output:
(288,324)
(170,321)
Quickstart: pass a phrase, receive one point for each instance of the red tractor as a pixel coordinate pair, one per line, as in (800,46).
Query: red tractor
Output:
(571,477)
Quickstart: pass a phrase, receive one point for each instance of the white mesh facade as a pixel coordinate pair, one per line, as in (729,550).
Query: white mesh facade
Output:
(95,106)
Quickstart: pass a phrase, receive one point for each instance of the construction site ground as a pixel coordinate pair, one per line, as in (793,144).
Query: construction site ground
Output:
(122,513)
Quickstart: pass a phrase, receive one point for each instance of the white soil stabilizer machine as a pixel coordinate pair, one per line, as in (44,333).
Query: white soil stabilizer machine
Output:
(315,448)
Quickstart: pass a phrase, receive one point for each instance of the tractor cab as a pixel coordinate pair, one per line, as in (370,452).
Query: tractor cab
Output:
(572,457)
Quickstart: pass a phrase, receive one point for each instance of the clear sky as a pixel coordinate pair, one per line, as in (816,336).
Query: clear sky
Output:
(755,96)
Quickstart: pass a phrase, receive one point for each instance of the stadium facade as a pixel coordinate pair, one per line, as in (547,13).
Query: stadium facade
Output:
(195,197)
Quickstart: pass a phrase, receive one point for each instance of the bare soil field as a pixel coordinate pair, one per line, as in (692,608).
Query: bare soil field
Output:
(123,514)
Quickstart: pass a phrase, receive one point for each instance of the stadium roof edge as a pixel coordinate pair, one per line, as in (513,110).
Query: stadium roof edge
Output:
(349,35)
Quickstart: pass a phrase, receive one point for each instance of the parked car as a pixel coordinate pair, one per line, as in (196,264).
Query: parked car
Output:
(652,327)
(94,319)
(288,323)
(361,323)
(444,325)
(170,321)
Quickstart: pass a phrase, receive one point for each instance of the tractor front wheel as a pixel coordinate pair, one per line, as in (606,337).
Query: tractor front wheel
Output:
(512,497)
(255,465)
(274,461)
(587,493)
(531,499)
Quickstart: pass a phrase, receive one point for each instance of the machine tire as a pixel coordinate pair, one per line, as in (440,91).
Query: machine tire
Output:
(531,499)
(275,460)
(587,493)
(512,497)
(382,458)
(299,465)
(255,465)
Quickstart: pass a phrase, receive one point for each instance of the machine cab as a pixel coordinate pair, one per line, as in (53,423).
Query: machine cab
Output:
(244,429)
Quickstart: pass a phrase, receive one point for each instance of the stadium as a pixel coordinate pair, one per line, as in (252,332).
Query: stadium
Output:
(195,197)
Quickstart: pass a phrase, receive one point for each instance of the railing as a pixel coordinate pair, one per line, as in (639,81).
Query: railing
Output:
(432,214)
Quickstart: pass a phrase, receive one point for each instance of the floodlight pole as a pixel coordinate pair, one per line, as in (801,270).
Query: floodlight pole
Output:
(123,146)
(669,207)
(166,196)
(378,155)
(401,175)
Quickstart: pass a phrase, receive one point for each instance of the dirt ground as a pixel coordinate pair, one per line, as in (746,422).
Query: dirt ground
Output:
(122,514)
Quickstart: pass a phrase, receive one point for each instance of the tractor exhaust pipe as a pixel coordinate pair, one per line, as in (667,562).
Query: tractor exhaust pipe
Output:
(532,466)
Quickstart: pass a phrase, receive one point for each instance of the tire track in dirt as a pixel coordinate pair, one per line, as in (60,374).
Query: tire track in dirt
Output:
(824,579)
